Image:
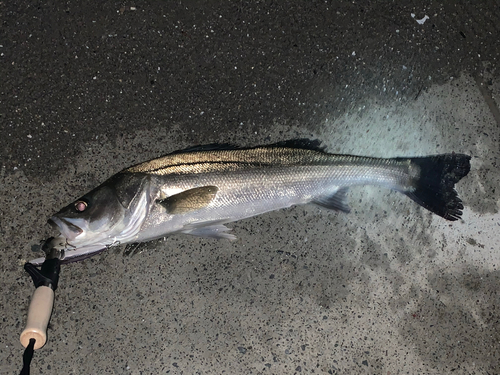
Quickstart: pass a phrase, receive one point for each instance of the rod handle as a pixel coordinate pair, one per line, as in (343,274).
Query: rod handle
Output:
(38,317)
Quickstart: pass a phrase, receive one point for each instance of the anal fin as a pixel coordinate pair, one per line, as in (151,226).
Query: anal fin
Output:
(336,201)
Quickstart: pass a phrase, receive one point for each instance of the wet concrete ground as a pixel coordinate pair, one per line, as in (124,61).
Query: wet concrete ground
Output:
(88,89)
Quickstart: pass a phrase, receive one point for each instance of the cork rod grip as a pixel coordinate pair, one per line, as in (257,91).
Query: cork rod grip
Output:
(38,317)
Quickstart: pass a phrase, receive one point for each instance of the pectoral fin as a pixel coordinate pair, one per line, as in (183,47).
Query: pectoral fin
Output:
(189,200)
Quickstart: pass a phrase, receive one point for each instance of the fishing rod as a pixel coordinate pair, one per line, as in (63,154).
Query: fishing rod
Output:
(45,279)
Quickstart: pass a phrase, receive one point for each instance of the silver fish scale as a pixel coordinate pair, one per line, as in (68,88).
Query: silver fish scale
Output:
(248,191)
(262,156)
(270,158)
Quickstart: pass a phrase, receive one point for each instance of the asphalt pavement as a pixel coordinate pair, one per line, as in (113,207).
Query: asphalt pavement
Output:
(89,88)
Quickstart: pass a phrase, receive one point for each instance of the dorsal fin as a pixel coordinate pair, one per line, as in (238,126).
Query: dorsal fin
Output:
(305,143)
(208,147)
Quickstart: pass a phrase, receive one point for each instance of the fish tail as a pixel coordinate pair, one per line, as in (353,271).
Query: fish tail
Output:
(434,188)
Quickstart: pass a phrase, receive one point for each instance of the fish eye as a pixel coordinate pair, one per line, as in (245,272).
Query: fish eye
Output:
(80,206)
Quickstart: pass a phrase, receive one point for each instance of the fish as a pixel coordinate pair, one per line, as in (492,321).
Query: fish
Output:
(199,190)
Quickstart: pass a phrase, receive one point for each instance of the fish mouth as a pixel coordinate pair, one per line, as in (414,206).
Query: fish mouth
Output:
(67,255)
(66,227)
(68,247)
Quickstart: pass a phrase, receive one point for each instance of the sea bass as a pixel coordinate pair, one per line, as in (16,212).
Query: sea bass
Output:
(199,190)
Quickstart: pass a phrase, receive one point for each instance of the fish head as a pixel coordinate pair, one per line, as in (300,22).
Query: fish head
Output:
(91,219)
(111,214)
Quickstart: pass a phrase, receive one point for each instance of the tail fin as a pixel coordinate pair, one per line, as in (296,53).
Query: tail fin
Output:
(435,187)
